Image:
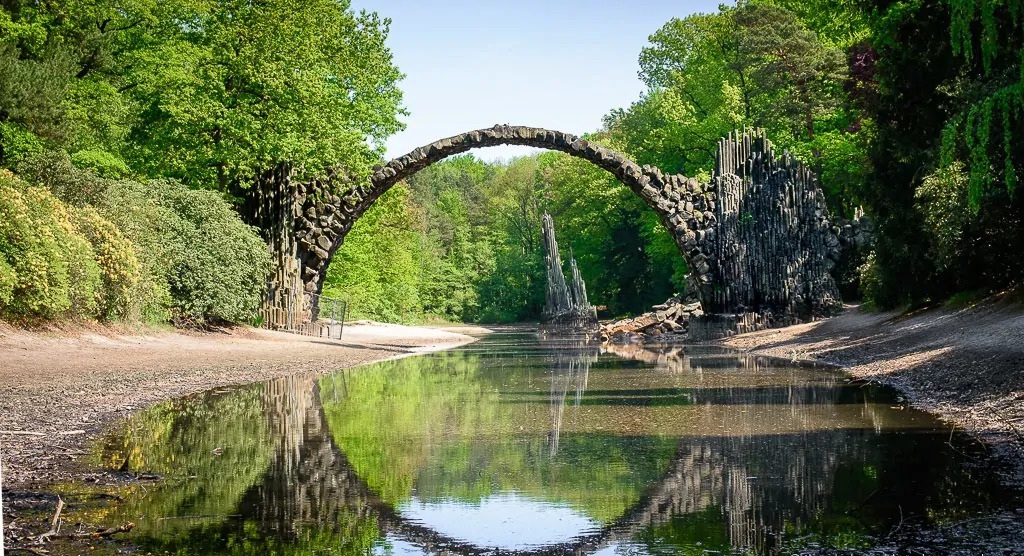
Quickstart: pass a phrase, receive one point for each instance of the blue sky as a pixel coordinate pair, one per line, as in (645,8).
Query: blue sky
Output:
(557,64)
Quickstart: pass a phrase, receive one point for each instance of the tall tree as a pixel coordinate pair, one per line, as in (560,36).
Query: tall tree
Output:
(753,65)
(234,86)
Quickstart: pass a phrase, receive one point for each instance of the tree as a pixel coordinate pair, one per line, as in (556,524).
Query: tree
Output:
(380,268)
(837,23)
(68,62)
(754,65)
(794,78)
(235,86)
(947,111)
(988,127)
(697,94)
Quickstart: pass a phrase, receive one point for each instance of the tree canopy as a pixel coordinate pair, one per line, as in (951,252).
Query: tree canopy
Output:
(205,91)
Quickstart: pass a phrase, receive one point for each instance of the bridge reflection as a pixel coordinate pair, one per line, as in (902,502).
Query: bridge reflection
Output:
(751,458)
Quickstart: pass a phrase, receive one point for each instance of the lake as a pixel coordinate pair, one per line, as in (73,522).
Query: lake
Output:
(516,444)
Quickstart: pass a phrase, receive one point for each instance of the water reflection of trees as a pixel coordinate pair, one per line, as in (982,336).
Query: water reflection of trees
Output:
(304,467)
(863,477)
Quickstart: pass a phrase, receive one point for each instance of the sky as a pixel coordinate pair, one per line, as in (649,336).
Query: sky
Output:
(560,64)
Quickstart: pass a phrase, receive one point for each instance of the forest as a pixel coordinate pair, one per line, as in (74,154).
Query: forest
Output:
(129,134)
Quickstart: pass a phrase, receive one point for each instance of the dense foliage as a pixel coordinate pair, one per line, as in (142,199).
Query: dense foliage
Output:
(58,261)
(942,182)
(77,245)
(909,109)
(102,102)
(203,91)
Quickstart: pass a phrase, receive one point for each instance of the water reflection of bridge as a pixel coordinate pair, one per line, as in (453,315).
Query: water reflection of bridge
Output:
(757,481)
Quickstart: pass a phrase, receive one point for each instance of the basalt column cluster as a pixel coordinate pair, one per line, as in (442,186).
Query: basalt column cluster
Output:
(773,246)
(566,303)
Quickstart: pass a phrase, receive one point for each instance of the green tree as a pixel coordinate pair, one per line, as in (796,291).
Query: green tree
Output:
(68,65)
(379,268)
(233,86)
(755,65)
(838,23)
(794,78)
(945,153)
(514,289)
(987,128)
(609,230)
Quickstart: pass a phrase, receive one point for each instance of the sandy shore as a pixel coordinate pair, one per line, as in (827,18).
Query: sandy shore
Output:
(964,365)
(60,389)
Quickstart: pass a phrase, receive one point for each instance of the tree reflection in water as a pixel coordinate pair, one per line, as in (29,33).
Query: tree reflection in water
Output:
(673,450)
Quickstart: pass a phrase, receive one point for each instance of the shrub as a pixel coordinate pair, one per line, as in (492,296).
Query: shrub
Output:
(55,171)
(220,264)
(53,271)
(130,206)
(119,267)
(201,261)
(7,282)
(153,251)
(871,281)
(101,163)
(942,199)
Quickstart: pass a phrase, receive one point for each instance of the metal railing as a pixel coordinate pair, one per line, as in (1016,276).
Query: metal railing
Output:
(294,314)
(331,313)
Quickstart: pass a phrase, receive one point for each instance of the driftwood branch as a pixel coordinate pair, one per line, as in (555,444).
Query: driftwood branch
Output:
(101,534)
(55,522)
(93,535)
(54,532)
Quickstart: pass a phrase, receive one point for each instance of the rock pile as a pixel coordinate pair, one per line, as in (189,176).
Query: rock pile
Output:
(671,318)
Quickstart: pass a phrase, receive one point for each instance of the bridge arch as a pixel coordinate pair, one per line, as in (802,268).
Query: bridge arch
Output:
(757,239)
(681,203)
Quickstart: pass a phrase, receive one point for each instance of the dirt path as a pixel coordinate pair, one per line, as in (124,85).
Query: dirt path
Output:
(966,365)
(59,390)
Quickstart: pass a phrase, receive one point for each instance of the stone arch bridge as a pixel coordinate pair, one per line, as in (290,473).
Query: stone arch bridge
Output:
(757,238)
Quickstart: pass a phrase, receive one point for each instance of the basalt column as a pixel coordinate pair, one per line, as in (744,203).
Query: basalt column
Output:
(303,222)
(774,246)
(566,304)
(271,207)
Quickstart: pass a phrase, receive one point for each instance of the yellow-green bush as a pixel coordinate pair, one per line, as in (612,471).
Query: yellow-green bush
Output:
(7,280)
(43,253)
(118,264)
(56,260)
(166,252)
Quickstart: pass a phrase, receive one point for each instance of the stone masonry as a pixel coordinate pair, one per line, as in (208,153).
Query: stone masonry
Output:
(758,238)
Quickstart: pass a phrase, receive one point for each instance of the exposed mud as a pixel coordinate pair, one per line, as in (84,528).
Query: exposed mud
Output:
(60,389)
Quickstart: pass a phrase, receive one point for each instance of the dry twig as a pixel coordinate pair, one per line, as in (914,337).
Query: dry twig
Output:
(102,533)
(54,523)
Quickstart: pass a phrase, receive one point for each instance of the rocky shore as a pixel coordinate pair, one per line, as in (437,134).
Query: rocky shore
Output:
(965,365)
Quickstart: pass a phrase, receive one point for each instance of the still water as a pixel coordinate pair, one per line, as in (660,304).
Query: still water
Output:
(513,444)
